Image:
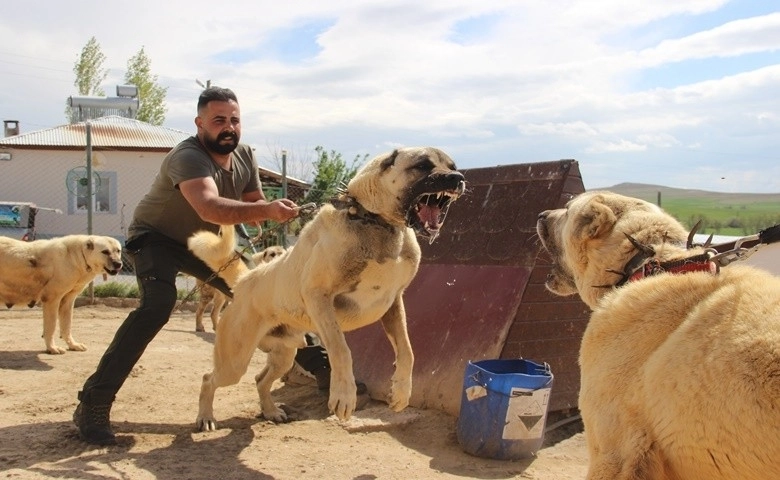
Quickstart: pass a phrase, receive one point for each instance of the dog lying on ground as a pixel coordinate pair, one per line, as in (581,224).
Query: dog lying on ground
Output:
(211,296)
(54,272)
(349,268)
(680,362)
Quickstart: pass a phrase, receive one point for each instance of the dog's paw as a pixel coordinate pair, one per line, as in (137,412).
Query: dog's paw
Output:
(399,395)
(55,350)
(342,405)
(77,347)
(276,415)
(205,424)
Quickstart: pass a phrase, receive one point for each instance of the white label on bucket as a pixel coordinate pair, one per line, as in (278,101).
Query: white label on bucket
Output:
(475,392)
(526,413)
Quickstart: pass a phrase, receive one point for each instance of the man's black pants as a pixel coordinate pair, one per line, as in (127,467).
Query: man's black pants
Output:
(157,260)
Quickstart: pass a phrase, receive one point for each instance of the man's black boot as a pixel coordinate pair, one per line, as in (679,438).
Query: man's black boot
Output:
(93,422)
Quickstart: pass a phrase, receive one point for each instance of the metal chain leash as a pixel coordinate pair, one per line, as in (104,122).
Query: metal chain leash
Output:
(306,210)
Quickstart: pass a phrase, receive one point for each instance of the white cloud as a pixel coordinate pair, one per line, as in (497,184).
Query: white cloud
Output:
(495,82)
(739,37)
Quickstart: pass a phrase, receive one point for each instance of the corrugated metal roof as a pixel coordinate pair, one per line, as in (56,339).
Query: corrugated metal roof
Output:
(112,132)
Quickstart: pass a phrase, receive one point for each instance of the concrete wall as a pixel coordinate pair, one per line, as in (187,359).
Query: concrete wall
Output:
(39,176)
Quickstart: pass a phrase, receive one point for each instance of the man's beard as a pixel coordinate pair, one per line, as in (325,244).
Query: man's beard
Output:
(221,148)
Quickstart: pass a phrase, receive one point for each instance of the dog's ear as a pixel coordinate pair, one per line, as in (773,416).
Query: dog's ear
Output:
(90,244)
(390,160)
(597,219)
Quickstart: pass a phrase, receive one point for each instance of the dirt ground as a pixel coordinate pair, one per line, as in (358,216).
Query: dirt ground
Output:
(155,412)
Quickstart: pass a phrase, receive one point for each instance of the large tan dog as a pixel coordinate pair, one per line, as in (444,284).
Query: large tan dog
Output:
(54,272)
(349,268)
(211,296)
(680,363)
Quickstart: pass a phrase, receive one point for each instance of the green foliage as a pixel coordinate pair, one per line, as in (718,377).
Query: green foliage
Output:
(151,96)
(181,294)
(114,289)
(732,214)
(331,173)
(125,290)
(89,69)
(730,218)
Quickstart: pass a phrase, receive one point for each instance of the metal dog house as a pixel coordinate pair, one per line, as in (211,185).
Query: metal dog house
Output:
(479,293)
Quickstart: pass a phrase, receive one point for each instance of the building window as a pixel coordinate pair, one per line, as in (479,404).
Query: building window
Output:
(103,198)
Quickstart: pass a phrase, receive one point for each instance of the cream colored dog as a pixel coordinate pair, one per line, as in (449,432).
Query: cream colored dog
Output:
(680,362)
(54,272)
(349,268)
(211,296)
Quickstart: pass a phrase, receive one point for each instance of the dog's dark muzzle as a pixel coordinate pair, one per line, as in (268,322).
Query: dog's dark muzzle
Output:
(115,268)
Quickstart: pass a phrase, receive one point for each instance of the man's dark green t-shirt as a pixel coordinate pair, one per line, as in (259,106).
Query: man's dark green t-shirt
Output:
(165,210)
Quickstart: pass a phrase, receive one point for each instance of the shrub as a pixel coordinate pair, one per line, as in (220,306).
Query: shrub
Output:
(123,290)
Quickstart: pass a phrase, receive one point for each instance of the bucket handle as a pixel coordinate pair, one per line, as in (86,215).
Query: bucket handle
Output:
(476,377)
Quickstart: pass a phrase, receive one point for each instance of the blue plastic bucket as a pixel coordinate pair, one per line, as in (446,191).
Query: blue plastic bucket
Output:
(503,408)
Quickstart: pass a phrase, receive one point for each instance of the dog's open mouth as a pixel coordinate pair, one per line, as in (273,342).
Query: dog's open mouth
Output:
(112,271)
(428,211)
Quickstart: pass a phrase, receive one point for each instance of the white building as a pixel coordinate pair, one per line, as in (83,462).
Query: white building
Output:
(48,168)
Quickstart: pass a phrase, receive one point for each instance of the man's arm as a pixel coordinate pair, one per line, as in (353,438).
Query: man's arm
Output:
(204,197)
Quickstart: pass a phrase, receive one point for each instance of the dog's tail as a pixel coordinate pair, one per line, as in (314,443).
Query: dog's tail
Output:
(218,252)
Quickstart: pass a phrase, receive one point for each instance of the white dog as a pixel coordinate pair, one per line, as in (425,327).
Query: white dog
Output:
(211,296)
(680,361)
(349,268)
(54,272)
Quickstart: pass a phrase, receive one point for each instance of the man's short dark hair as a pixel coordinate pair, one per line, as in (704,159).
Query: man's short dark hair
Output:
(215,93)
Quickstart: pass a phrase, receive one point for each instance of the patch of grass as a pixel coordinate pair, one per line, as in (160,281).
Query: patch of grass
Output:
(125,290)
(726,218)
(736,214)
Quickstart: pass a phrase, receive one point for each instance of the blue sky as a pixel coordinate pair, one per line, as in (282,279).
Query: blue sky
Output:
(683,93)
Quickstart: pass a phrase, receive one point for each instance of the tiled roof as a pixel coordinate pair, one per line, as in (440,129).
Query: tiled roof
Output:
(113,132)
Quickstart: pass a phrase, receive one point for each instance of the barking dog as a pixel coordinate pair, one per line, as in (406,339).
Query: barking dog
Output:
(349,268)
(211,296)
(54,272)
(680,362)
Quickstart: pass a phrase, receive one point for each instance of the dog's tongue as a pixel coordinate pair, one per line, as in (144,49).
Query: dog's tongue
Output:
(429,216)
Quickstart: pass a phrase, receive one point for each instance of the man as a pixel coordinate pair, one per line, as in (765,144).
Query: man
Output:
(207,180)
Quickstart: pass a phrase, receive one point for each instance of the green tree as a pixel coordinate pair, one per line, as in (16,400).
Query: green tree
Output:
(151,96)
(89,69)
(331,174)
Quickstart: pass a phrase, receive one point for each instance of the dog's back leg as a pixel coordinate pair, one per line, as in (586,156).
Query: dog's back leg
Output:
(235,342)
(280,360)
(65,314)
(202,304)
(50,312)
(216,310)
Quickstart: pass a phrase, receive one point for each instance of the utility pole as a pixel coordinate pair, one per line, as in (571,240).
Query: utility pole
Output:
(284,195)
(207,85)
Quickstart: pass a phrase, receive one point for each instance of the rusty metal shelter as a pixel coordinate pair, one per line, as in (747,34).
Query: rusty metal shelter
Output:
(479,293)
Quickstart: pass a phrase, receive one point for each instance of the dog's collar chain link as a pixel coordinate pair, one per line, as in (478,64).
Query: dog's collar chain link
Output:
(356,211)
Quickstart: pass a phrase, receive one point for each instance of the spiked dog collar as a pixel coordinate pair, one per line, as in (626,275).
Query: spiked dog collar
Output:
(357,212)
(697,263)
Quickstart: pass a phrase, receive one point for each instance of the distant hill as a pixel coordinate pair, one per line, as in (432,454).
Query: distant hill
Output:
(720,213)
(650,193)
